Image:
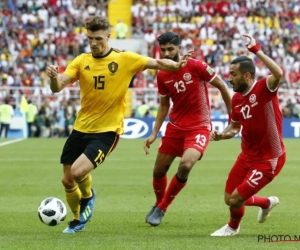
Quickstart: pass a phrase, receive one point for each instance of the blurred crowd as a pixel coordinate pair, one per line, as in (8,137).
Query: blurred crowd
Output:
(214,30)
(35,33)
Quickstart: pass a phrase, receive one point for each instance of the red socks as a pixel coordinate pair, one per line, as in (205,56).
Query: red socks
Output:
(236,216)
(159,186)
(173,189)
(258,201)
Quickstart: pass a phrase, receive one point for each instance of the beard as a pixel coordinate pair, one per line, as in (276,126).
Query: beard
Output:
(242,87)
(174,58)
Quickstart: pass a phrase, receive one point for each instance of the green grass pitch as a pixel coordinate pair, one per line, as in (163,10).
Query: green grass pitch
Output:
(30,171)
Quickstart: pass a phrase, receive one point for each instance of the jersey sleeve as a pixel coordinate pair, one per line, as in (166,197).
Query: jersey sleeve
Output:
(162,90)
(265,81)
(135,62)
(234,115)
(208,74)
(73,69)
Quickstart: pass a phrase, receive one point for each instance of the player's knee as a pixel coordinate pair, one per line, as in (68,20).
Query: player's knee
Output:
(185,166)
(232,202)
(68,182)
(235,203)
(77,173)
(160,171)
(227,200)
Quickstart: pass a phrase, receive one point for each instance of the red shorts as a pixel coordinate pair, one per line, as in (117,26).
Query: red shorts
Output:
(177,140)
(250,176)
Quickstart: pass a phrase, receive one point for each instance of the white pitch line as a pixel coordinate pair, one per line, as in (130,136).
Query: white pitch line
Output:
(11,142)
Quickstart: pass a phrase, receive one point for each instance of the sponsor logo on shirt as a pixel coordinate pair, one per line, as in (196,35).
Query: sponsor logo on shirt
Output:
(166,82)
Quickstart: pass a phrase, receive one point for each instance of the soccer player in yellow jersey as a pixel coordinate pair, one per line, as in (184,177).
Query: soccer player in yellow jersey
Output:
(104,76)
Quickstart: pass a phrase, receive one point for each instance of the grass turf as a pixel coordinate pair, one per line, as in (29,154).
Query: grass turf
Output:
(30,171)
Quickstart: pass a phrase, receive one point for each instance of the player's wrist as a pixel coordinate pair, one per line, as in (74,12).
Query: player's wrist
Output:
(254,49)
(221,136)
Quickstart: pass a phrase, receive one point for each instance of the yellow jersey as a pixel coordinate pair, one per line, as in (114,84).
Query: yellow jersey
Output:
(103,83)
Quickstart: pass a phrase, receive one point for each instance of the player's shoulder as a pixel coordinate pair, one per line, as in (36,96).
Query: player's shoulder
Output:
(199,65)
(193,62)
(122,52)
(115,50)
(83,56)
(236,97)
(261,80)
(161,73)
(196,62)
(260,85)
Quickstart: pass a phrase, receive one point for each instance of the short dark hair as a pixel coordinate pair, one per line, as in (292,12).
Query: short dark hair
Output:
(246,65)
(97,23)
(169,37)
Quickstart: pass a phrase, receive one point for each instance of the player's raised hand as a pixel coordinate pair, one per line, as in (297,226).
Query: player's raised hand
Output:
(52,71)
(183,60)
(148,142)
(252,46)
(215,135)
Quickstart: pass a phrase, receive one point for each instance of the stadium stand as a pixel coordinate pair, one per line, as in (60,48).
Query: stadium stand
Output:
(36,33)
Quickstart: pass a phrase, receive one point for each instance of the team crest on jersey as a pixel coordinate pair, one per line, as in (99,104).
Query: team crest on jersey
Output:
(252,98)
(187,76)
(113,67)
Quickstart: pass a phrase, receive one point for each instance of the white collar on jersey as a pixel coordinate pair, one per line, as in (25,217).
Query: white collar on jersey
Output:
(250,89)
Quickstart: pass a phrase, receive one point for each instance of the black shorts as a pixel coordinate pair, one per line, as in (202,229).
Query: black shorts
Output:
(96,146)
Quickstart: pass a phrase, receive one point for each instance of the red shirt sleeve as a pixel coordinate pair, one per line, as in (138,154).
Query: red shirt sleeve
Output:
(234,115)
(206,71)
(162,90)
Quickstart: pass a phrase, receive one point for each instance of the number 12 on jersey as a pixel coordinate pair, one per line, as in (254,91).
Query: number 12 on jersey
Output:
(246,112)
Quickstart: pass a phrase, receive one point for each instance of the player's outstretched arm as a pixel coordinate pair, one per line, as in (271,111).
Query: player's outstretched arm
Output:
(57,82)
(230,131)
(277,73)
(161,116)
(167,64)
(223,88)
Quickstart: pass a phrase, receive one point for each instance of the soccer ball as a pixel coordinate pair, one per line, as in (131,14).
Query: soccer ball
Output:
(52,211)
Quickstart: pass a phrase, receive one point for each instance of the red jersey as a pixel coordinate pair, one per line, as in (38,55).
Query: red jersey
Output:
(261,119)
(187,88)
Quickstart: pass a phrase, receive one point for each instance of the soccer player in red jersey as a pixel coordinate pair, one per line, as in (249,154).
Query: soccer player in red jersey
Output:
(188,131)
(255,108)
